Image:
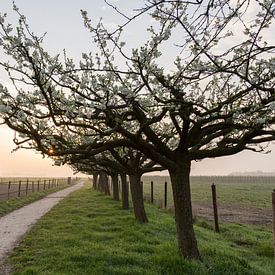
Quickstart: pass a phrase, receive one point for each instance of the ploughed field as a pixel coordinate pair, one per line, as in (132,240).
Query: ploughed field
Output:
(240,199)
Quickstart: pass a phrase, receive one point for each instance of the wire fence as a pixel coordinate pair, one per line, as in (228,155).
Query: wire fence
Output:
(241,199)
(15,187)
(219,179)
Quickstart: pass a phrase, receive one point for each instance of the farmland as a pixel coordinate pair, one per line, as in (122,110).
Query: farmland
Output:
(18,187)
(240,199)
(17,192)
(94,235)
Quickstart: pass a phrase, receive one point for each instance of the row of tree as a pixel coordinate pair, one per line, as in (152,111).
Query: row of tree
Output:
(119,111)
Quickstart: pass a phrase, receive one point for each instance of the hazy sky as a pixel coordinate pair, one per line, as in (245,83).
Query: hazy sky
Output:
(64,26)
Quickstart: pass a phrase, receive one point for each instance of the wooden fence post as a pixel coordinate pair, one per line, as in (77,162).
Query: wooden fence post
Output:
(44,184)
(152,192)
(9,187)
(38,185)
(27,187)
(215,208)
(273,218)
(49,185)
(19,189)
(165,194)
(32,186)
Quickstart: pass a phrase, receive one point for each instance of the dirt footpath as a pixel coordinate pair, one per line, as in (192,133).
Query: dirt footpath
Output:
(16,224)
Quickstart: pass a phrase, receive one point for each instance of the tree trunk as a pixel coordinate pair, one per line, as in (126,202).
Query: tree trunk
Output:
(95,178)
(103,183)
(115,186)
(106,186)
(183,210)
(137,198)
(124,191)
(100,182)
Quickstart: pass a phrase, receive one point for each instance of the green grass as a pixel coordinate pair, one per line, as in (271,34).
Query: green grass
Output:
(239,194)
(88,233)
(7,206)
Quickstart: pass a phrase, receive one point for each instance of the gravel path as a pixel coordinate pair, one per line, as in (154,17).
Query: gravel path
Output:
(15,224)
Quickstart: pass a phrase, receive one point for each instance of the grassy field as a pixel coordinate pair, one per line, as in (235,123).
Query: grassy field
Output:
(88,233)
(7,206)
(255,194)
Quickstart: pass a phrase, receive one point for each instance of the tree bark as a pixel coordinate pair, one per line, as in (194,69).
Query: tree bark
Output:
(137,199)
(106,185)
(115,186)
(180,179)
(100,183)
(95,178)
(103,183)
(124,191)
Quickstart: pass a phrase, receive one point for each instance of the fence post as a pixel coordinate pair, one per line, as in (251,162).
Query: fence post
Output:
(38,185)
(19,189)
(273,218)
(9,190)
(27,187)
(44,184)
(165,194)
(152,192)
(32,186)
(69,180)
(49,185)
(215,208)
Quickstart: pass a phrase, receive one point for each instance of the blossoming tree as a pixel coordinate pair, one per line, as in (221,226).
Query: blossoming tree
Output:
(216,98)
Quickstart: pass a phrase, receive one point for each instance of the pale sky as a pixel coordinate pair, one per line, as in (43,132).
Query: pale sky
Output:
(64,26)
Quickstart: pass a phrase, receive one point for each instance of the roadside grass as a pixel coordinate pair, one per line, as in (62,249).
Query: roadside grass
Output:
(89,233)
(7,206)
(240,194)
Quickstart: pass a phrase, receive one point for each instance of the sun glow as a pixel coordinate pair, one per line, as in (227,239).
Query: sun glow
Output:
(51,151)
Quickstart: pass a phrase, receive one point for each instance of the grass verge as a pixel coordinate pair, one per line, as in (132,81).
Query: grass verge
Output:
(15,203)
(88,233)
